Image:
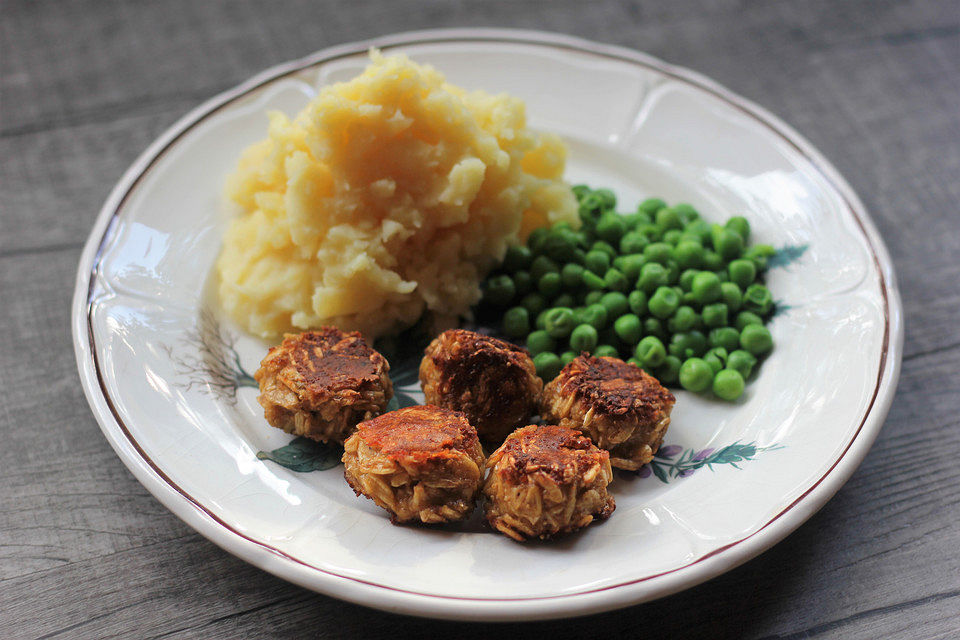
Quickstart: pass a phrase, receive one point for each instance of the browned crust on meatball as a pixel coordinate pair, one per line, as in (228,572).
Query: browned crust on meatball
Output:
(320,384)
(494,383)
(622,408)
(545,481)
(420,463)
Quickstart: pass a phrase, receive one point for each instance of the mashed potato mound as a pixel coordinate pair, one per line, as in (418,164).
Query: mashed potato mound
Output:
(387,196)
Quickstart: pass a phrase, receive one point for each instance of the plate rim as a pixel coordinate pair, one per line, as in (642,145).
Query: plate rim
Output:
(397,600)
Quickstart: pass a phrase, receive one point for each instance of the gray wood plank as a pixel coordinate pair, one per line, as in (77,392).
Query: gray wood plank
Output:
(85,551)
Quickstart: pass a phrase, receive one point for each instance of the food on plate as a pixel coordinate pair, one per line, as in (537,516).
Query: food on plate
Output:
(419,463)
(623,409)
(320,384)
(386,196)
(660,287)
(493,382)
(547,480)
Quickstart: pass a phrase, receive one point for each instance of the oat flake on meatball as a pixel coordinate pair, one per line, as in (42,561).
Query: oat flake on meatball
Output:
(493,382)
(419,463)
(619,406)
(320,384)
(547,480)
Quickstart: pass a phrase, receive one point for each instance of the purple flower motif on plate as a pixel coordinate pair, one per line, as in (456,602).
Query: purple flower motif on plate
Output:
(669,451)
(645,471)
(703,455)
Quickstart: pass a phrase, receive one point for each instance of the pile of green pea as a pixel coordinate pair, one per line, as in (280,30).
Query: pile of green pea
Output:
(661,288)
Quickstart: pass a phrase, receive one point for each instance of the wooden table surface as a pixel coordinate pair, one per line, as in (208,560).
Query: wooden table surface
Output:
(86,552)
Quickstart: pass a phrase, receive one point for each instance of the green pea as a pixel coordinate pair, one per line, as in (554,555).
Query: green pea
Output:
(559,322)
(534,303)
(607,197)
(615,280)
(746,317)
(726,337)
(631,266)
(571,275)
(548,365)
(742,362)
(564,300)
(668,218)
(516,322)
(651,231)
(605,247)
(706,287)
(606,351)
(688,254)
(672,237)
(716,358)
(712,260)
(663,302)
(550,284)
(592,297)
(684,319)
(567,357)
(500,290)
(756,339)
(580,190)
(758,254)
(523,282)
(560,244)
(757,298)
(686,279)
(615,303)
(541,320)
(695,375)
(688,344)
(597,316)
(742,272)
(597,262)
(579,255)
(731,296)
(610,228)
(539,341)
(650,206)
(637,301)
(628,328)
(669,371)
(651,352)
(634,362)
(653,327)
(517,257)
(652,275)
(583,338)
(727,243)
(542,265)
(657,252)
(633,242)
(740,225)
(701,229)
(593,281)
(728,384)
(715,315)
(686,212)
(673,271)
(536,238)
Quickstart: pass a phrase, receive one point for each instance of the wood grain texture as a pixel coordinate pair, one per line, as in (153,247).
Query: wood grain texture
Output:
(86,552)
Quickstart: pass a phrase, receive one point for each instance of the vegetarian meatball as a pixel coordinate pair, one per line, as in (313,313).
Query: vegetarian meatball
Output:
(419,463)
(320,384)
(621,407)
(546,480)
(493,382)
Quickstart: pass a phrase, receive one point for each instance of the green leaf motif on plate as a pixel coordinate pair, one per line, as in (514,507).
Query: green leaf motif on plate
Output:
(303,455)
(667,465)
(787,255)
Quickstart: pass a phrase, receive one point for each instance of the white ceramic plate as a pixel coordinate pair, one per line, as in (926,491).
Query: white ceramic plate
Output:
(168,379)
